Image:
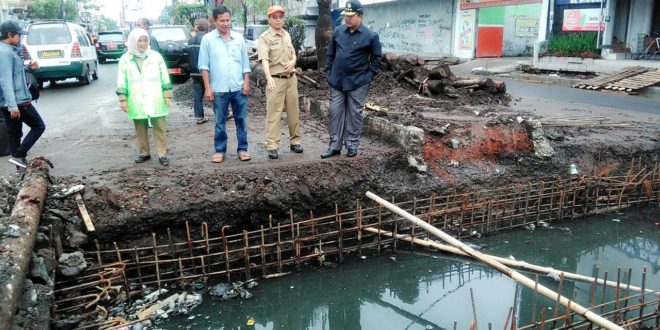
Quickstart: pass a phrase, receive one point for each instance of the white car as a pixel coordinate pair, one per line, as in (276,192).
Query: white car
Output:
(251,34)
(63,50)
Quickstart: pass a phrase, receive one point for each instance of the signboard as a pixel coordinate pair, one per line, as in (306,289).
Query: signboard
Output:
(471,4)
(527,26)
(575,2)
(582,20)
(466,29)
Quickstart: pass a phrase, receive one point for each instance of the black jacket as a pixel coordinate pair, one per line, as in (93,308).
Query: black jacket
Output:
(193,53)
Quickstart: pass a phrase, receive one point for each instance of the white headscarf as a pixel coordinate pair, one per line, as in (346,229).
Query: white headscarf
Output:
(132,41)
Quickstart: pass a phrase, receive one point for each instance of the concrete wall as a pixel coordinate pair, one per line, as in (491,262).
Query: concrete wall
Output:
(519,45)
(639,22)
(421,27)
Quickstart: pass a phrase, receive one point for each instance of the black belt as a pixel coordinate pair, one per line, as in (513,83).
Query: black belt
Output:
(282,76)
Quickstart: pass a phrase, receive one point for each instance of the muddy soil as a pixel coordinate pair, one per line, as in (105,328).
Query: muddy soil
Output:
(128,201)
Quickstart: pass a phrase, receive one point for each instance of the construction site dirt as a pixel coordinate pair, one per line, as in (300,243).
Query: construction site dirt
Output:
(471,139)
(493,147)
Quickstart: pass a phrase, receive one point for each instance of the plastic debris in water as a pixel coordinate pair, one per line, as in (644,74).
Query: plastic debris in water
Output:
(512,257)
(250,322)
(616,220)
(572,169)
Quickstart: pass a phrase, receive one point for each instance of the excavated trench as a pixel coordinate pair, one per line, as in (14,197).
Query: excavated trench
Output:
(466,175)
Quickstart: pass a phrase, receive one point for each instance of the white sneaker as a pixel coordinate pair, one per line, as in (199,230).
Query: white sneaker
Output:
(20,162)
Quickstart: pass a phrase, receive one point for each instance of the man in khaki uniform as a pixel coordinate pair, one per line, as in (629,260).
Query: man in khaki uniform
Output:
(278,59)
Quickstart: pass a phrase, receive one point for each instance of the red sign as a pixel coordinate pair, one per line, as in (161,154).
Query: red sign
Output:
(582,20)
(471,4)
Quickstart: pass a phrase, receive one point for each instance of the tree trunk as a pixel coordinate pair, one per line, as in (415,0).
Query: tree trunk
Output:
(323,32)
(488,84)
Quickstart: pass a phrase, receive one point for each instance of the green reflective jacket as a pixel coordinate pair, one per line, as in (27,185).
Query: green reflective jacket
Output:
(144,87)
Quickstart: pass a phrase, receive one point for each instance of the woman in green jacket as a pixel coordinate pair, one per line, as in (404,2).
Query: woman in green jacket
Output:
(145,93)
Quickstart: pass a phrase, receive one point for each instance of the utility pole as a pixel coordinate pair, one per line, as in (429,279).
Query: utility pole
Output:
(62,9)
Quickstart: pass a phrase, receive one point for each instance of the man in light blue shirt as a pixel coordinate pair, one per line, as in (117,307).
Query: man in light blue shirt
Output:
(225,69)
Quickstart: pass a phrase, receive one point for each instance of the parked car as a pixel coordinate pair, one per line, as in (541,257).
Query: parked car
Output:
(63,50)
(173,44)
(110,45)
(251,34)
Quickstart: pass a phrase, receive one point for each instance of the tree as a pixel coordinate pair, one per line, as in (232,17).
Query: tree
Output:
(323,32)
(106,24)
(187,14)
(296,28)
(52,9)
(242,8)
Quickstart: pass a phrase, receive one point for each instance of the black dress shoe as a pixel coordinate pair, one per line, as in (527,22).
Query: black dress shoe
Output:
(164,161)
(297,148)
(142,159)
(330,153)
(352,152)
(272,154)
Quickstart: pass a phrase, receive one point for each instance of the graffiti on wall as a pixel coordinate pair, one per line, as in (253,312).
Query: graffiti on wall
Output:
(422,34)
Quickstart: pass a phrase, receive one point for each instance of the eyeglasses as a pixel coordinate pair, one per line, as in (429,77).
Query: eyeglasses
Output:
(277,17)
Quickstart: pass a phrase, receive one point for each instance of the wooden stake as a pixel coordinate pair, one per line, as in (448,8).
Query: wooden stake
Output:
(83,211)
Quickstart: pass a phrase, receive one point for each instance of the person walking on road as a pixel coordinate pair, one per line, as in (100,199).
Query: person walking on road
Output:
(144,24)
(278,59)
(201,27)
(15,98)
(354,54)
(225,69)
(145,93)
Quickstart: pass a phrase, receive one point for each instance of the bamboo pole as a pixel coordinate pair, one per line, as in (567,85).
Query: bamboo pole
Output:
(508,262)
(591,316)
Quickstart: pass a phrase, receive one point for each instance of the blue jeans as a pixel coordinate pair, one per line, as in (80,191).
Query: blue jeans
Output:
(30,117)
(239,103)
(198,97)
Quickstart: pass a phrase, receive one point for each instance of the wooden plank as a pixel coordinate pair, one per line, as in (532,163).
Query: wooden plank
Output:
(83,211)
(605,79)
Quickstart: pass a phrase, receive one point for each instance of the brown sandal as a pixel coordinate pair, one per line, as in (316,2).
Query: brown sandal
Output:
(202,121)
(244,156)
(218,158)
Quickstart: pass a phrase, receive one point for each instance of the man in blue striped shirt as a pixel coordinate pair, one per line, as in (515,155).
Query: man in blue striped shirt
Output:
(225,69)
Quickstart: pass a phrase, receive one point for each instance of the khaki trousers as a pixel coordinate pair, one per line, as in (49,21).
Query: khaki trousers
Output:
(142,132)
(285,96)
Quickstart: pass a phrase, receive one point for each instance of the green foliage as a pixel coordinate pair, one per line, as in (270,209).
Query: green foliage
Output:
(240,9)
(50,9)
(296,28)
(106,24)
(186,14)
(577,45)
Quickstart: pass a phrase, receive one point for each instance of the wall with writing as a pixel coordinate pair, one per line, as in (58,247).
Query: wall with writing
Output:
(421,27)
(521,29)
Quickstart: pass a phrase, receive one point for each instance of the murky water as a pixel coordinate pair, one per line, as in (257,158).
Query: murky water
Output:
(418,290)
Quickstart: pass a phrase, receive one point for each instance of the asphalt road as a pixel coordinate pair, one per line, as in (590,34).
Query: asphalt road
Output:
(572,97)
(87,133)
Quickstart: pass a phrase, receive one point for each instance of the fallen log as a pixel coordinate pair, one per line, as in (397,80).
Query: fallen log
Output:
(483,83)
(440,72)
(569,304)
(26,215)
(513,263)
(307,62)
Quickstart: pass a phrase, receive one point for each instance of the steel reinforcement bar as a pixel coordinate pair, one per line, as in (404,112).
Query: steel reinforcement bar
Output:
(279,244)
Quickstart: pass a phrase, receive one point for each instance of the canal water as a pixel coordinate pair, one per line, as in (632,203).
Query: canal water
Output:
(415,289)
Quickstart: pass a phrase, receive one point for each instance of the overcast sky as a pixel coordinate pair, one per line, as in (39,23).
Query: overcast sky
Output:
(150,8)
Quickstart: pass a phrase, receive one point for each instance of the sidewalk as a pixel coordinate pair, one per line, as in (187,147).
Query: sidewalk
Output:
(510,67)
